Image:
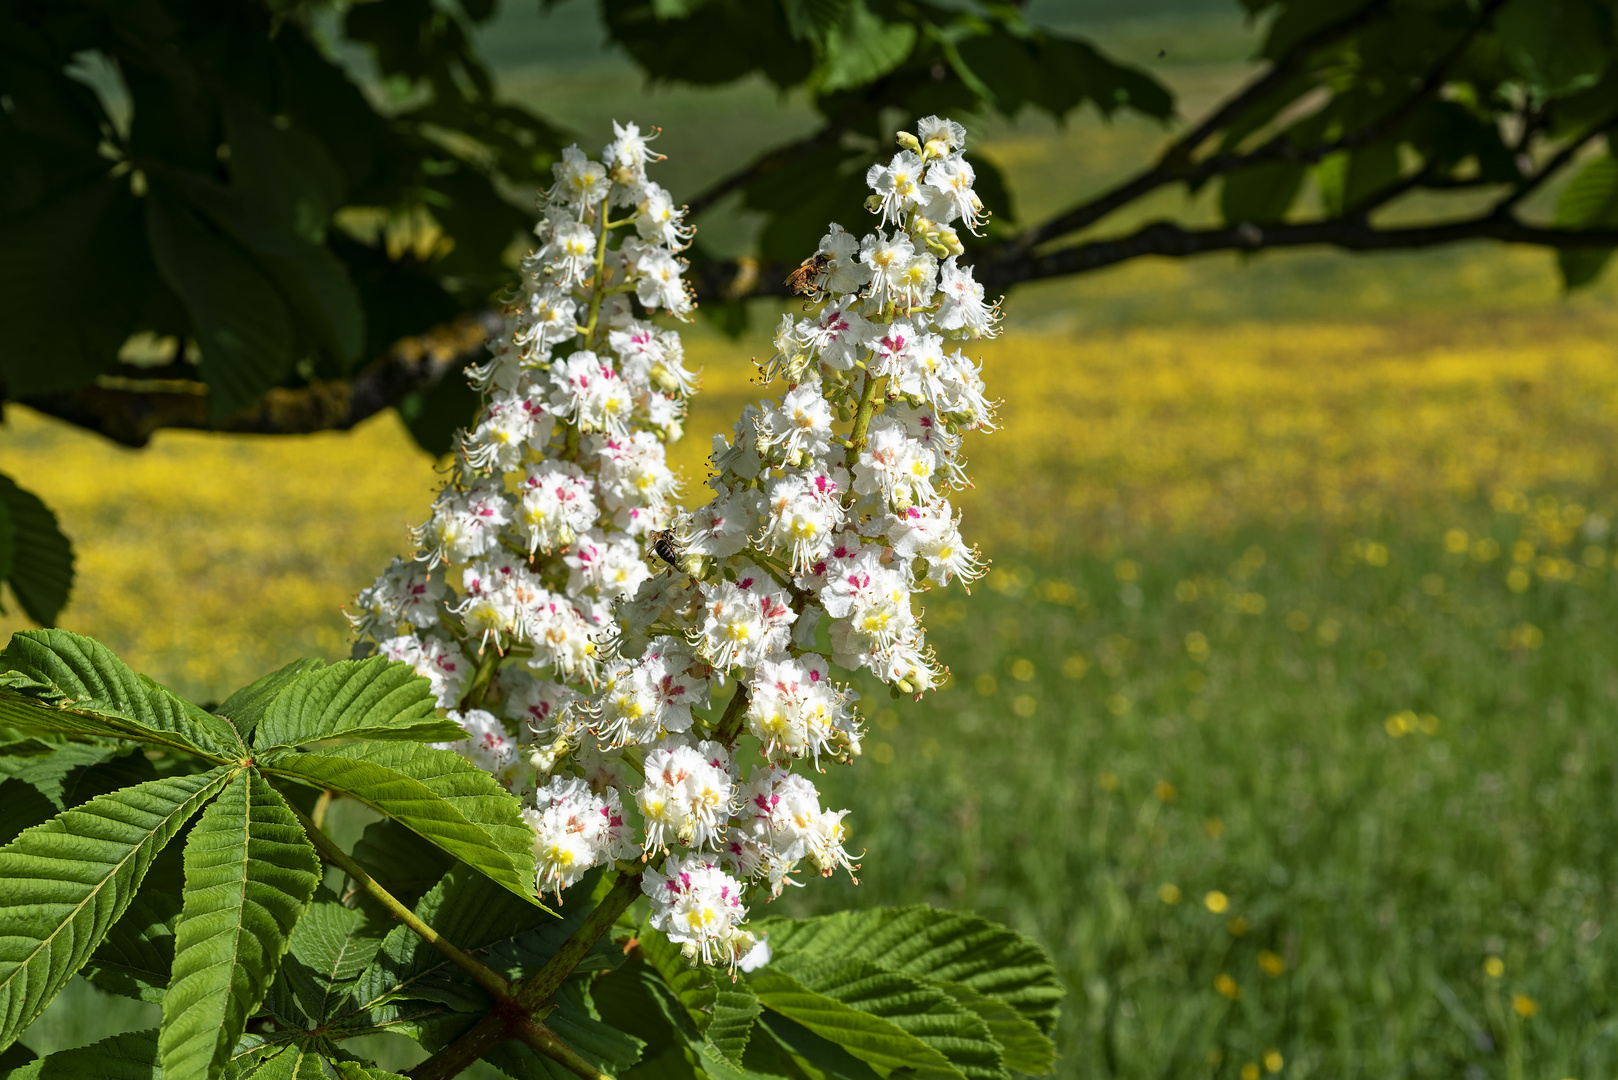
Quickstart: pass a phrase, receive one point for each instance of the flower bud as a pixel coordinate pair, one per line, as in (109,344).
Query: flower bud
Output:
(844,413)
(873,203)
(908,141)
(951,241)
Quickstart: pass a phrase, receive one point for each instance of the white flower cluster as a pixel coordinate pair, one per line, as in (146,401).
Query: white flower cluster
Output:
(584,630)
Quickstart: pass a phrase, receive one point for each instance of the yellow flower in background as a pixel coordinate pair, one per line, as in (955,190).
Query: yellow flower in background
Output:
(1250,1070)
(1216,902)
(1227,987)
(1169,893)
(1494,967)
(1273,1060)
(1236,926)
(1271,963)
(1523,1005)
(1164,791)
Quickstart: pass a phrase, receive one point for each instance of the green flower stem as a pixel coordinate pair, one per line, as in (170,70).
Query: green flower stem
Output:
(730,725)
(490,980)
(488,664)
(598,286)
(862,420)
(542,985)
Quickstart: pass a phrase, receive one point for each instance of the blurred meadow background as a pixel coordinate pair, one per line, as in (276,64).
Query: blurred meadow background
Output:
(1284,719)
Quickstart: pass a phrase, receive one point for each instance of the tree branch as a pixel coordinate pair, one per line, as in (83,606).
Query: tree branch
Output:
(1175,164)
(129,411)
(1349,233)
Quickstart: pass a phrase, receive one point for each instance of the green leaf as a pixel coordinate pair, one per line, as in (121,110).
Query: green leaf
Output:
(49,771)
(922,1011)
(940,946)
(400,861)
(781,1045)
(435,416)
(245,708)
(22,806)
(51,680)
(51,259)
(693,986)
(299,1059)
(576,1022)
(1026,1048)
(1558,46)
(67,882)
(130,1056)
(117,772)
(1347,178)
(356,699)
(1590,199)
(862,47)
(735,1009)
(240,320)
(136,959)
(357,1070)
(471,912)
(249,873)
(14,1057)
(8,537)
(331,946)
(1261,194)
(40,564)
(873,1039)
(722,1012)
(438,795)
(285,190)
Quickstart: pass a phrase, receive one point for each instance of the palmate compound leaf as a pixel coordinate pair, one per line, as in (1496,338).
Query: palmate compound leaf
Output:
(64,883)
(51,680)
(245,708)
(130,1056)
(356,699)
(249,873)
(438,795)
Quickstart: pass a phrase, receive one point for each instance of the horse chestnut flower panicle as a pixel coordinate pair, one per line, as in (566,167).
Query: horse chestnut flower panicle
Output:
(584,629)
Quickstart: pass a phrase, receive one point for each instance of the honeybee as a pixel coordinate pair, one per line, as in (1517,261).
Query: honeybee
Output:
(802,280)
(666,547)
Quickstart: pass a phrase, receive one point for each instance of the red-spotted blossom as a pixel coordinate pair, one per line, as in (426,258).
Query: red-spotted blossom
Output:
(647,677)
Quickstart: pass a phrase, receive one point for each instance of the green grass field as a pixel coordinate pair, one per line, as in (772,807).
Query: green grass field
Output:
(1342,768)
(1289,785)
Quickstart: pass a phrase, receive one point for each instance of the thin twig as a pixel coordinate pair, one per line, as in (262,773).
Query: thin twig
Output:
(490,980)
(1174,164)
